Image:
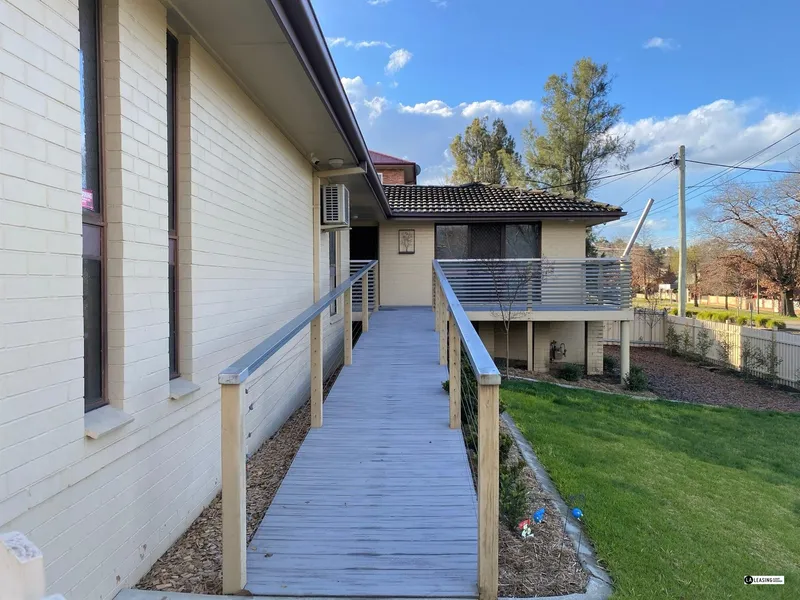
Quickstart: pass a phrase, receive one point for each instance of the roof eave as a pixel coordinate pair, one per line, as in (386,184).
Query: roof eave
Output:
(299,23)
(461,217)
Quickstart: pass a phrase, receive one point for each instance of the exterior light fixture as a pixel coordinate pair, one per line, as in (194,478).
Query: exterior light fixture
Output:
(335,163)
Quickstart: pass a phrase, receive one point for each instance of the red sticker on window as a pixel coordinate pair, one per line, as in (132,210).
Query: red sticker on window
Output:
(87,199)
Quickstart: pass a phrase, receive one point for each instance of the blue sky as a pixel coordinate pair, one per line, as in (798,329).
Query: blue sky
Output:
(719,77)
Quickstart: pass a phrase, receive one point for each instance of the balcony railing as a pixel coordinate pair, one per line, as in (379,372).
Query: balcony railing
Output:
(372,289)
(540,284)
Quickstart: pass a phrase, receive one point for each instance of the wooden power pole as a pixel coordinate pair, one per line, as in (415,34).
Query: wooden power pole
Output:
(682,231)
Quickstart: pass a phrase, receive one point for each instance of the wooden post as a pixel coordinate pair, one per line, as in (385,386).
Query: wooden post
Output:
(624,350)
(316,371)
(443,315)
(455,375)
(377,287)
(234,510)
(488,489)
(21,568)
(530,346)
(348,326)
(316,232)
(365,302)
(437,300)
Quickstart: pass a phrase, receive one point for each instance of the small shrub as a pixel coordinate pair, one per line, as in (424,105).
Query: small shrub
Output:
(506,442)
(636,380)
(513,494)
(721,317)
(761,320)
(691,312)
(705,315)
(704,343)
(446,385)
(672,340)
(725,350)
(674,311)
(742,320)
(570,372)
(687,344)
(610,364)
(776,323)
(503,406)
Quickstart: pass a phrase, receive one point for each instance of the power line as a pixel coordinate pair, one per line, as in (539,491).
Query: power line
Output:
(629,173)
(700,162)
(621,174)
(652,181)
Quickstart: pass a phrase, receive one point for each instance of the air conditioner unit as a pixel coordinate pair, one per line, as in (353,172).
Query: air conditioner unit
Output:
(336,205)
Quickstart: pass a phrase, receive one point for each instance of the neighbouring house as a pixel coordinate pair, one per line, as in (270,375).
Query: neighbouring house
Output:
(177,181)
(463,225)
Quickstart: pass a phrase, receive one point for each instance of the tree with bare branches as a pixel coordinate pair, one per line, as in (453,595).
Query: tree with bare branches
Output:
(762,223)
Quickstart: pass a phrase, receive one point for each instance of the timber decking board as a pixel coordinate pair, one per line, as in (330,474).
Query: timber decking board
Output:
(379,501)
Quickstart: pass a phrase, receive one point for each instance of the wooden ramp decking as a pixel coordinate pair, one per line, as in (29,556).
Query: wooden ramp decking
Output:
(379,501)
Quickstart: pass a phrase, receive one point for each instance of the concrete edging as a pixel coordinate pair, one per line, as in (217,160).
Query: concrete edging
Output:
(600,586)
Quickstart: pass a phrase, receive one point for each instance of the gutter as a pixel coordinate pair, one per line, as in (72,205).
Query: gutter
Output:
(299,23)
(461,217)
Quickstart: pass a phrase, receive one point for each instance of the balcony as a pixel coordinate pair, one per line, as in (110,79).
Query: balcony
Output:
(534,289)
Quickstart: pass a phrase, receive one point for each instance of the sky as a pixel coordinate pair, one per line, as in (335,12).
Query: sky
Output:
(718,77)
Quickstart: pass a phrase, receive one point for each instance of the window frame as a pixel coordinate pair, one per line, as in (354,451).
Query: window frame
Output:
(502,224)
(97,219)
(173,226)
(380,177)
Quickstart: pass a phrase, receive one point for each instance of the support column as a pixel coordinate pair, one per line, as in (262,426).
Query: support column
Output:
(316,232)
(488,489)
(365,302)
(530,347)
(348,326)
(234,510)
(376,284)
(316,371)
(455,375)
(443,316)
(624,349)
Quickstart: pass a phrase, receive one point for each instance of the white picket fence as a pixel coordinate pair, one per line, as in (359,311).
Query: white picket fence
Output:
(736,346)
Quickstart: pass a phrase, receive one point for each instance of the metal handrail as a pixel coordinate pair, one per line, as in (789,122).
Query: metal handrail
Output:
(486,372)
(241,369)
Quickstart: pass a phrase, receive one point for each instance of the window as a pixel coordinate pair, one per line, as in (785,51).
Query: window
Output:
(380,177)
(94,318)
(172,214)
(493,240)
(332,266)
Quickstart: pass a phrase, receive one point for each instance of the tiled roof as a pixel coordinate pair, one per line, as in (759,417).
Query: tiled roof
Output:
(481,198)
(379,158)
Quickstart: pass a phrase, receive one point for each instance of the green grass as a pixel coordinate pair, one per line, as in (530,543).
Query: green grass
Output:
(642,303)
(682,501)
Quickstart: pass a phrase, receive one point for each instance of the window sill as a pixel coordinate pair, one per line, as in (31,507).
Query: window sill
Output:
(102,421)
(180,387)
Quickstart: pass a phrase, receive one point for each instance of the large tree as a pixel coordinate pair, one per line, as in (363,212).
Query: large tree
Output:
(485,155)
(762,225)
(579,139)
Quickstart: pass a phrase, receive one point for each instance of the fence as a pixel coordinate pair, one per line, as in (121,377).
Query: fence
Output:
(767,354)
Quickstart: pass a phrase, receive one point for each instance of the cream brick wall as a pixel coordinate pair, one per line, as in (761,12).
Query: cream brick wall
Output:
(406,279)
(594,347)
(102,511)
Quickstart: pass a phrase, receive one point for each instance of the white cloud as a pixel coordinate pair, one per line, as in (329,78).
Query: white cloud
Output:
(723,131)
(479,109)
(397,60)
(431,107)
(376,106)
(378,2)
(661,44)
(354,87)
(440,3)
(343,41)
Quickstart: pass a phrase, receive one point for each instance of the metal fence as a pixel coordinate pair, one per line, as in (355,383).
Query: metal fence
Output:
(355,267)
(530,284)
(767,354)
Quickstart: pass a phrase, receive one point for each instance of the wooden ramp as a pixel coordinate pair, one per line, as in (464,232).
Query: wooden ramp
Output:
(379,501)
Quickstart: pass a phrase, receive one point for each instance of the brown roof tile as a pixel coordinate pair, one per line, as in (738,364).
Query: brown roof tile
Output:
(480,198)
(379,158)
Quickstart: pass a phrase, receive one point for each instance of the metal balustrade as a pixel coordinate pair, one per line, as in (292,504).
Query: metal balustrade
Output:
(540,284)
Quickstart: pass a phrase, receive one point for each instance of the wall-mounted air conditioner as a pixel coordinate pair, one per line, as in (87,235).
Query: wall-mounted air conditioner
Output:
(336,205)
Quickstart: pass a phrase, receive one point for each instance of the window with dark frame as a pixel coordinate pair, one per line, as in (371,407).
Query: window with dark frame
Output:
(172,192)
(94,306)
(332,267)
(492,240)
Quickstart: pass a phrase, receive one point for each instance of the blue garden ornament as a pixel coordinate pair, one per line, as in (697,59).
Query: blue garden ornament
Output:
(577,513)
(538,516)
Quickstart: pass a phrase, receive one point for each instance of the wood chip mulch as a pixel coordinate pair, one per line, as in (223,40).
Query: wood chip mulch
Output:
(193,564)
(545,564)
(675,378)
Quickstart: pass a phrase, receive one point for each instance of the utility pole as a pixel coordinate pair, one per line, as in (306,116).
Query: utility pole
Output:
(682,231)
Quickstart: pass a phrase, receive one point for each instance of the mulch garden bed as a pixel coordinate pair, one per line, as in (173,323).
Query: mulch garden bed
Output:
(675,378)
(193,564)
(545,564)
(602,383)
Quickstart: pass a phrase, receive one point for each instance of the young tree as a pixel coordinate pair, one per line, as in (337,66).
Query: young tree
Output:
(484,155)
(579,140)
(762,223)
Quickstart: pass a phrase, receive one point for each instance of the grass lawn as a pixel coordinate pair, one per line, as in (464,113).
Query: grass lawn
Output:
(642,303)
(682,501)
